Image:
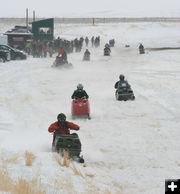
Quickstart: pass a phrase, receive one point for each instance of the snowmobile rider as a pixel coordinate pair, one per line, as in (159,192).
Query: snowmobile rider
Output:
(87,53)
(141,46)
(61,126)
(107,47)
(63,55)
(79,93)
(121,81)
(60,51)
(141,49)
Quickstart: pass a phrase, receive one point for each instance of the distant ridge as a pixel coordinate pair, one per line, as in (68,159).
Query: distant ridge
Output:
(99,19)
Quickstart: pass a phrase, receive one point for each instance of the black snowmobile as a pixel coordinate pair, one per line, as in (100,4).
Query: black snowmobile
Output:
(124,92)
(60,62)
(107,51)
(70,143)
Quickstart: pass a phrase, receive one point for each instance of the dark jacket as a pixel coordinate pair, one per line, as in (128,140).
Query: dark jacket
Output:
(87,53)
(107,49)
(120,82)
(141,47)
(78,94)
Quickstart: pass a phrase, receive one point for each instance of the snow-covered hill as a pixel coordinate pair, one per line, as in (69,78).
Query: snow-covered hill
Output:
(129,147)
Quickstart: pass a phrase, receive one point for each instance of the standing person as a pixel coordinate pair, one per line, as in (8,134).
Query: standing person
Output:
(50,48)
(45,48)
(61,126)
(92,41)
(96,42)
(87,41)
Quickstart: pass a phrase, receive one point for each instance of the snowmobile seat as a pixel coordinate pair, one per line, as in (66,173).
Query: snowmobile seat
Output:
(70,143)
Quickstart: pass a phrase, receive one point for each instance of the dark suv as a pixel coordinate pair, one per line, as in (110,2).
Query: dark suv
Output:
(4,56)
(14,53)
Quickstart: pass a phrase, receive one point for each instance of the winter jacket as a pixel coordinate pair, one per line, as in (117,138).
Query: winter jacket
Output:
(86,53)
(61,52)
(63,128)
(107,49)
(120,83)
(78,94)
(141,47)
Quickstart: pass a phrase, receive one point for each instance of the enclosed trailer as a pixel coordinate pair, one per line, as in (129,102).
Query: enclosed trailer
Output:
(43,29)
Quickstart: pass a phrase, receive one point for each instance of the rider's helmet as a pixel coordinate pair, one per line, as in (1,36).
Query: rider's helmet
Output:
(121,77)
(79,86)
(107,45)
(61,117)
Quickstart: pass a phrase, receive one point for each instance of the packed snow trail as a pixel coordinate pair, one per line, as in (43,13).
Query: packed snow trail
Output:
(129,147)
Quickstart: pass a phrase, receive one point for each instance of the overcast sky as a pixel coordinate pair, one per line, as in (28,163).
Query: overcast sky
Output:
(90,8)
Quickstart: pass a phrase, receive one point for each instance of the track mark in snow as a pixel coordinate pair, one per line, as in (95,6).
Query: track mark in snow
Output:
(109,58)
(136,115)
(5,127)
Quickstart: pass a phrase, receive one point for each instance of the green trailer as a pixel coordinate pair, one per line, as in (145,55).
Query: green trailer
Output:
(43,29)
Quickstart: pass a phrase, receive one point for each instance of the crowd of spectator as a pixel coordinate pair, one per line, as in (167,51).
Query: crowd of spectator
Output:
(45,48)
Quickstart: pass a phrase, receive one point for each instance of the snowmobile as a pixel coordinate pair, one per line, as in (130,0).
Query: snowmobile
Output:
(69,143)
(80,108)
(59,62)
(124,92)
(86,58)
(141,49)
(107,51)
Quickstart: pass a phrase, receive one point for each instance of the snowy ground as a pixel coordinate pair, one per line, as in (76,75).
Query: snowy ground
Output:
(129,147)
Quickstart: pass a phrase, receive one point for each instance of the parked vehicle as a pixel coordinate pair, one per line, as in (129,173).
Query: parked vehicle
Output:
(4,56)
(15,54)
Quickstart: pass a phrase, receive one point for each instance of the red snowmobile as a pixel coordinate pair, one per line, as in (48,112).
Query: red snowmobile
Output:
(80,108)
(86,58)
(141,49)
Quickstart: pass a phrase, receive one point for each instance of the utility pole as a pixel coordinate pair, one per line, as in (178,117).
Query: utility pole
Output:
(93,21)
(33,16)
(27,19)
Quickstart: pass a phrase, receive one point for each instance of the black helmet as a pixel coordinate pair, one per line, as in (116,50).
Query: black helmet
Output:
(121,77)
(79,86)
(107,45)
(61,117)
